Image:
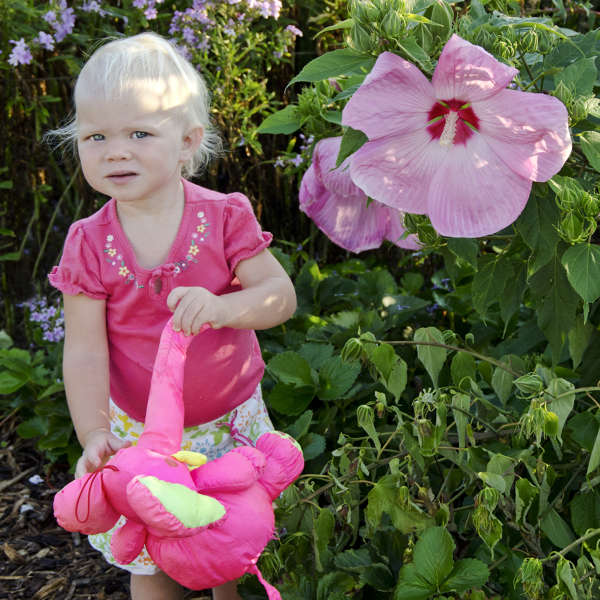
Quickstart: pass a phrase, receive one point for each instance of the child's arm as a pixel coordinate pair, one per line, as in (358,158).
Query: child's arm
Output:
(267,299)
(86,376)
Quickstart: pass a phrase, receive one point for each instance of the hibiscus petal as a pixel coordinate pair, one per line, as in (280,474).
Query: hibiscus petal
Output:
(341,210)
(396,230)
(397,170)
(469,73)
(529,132)
(336,180)
(473,193)
(395,96)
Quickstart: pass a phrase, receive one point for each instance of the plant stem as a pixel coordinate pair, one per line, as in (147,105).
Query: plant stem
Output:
(590,534)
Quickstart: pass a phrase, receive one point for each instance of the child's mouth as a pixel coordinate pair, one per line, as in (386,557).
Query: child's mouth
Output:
(122,176)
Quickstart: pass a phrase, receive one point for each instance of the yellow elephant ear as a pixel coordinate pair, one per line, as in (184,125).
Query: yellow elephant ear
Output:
(193,459)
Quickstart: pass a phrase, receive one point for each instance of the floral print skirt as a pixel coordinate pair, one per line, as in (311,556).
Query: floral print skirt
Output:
(243,425)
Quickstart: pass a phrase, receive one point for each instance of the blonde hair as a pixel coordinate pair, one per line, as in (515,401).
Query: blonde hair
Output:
(147,59)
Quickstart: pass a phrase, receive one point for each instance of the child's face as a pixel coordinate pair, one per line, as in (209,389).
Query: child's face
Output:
(132,149)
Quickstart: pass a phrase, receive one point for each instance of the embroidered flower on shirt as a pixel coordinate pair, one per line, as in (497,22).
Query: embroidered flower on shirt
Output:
(193,249)
(116,260)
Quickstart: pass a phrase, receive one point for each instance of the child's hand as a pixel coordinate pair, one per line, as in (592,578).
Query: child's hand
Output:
(100,445)
(194,306)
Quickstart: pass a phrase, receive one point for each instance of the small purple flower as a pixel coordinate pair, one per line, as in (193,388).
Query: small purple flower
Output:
(21,54)
(45,40)
(50,17)
(150,13)
(189,36)
(294,30)
(297,160)
(139,3)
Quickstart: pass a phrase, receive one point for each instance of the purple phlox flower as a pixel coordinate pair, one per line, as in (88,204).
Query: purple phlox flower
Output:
(277,53)
(183,50)
(92,6)
(294,30)
(139,3)
(279,162)
(20,54)
(50,17)
(45,40)
(150,13)
(297,160)
(463,148)
(341,210)
(189,36)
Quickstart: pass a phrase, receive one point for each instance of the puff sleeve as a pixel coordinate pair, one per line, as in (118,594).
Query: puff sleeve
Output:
(243,237)
(79,269)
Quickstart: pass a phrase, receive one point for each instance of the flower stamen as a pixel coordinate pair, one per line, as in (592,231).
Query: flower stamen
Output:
(447,137)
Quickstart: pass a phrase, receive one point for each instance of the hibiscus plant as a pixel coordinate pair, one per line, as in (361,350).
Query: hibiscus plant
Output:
(465,138)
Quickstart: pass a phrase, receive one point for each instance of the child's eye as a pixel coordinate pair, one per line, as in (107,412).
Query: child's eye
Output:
(138,135)
(96,137)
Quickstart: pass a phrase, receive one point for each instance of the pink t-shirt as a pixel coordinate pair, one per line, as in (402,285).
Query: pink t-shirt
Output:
(217,231)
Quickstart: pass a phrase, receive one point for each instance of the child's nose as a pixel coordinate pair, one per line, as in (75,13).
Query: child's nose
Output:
(118,151)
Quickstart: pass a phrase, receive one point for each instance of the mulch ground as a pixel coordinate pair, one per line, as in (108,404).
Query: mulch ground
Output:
(38,559)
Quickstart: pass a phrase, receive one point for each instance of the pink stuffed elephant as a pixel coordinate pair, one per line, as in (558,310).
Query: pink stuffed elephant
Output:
(202,526)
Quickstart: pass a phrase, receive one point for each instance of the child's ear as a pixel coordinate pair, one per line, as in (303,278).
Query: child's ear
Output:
(191,142)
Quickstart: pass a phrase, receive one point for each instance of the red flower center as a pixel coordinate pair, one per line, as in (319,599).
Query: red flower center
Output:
(457,127)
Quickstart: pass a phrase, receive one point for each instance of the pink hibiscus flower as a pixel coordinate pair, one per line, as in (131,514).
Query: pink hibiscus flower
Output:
(462,148)
(341,210)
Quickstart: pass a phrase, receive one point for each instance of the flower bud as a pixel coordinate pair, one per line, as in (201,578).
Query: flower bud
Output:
(530,575)
(352,349)
(393,25)
(488,497)
(578,110)
(590,205)
(529,384)
(529,41)
(441,13)
(571,229)
(504,48)
(361,39)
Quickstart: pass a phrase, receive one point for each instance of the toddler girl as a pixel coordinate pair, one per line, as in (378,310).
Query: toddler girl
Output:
(160,246)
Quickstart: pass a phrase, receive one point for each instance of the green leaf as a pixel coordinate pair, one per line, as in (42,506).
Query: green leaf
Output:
(525,494)
(291,368)
(10,382)
(334,64)
(352,140)
(290,399)
(502,383)
(398,378)
(556,528)
(32,428)
(537,226)
(564,573)
(463,402)
(378,576)
(556,304)
(385,497)
(590,144)
(503,466)
(322,532)
(316,354)
(284,121)
(432,555)
(432,357)
(313,445)
(411,49)
(582,264)
(595,455)
(353,560)
(465,249)
(411,586)
(462,366)
(493,480)
(585,512)
(335,586)
(336,378)
(299,428)
(510,299)
(579,338)
(467,573)
(346,24)
(583,429)
(579,76)
(489,282)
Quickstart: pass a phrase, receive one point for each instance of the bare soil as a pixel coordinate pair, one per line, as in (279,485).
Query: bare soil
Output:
(38,559)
